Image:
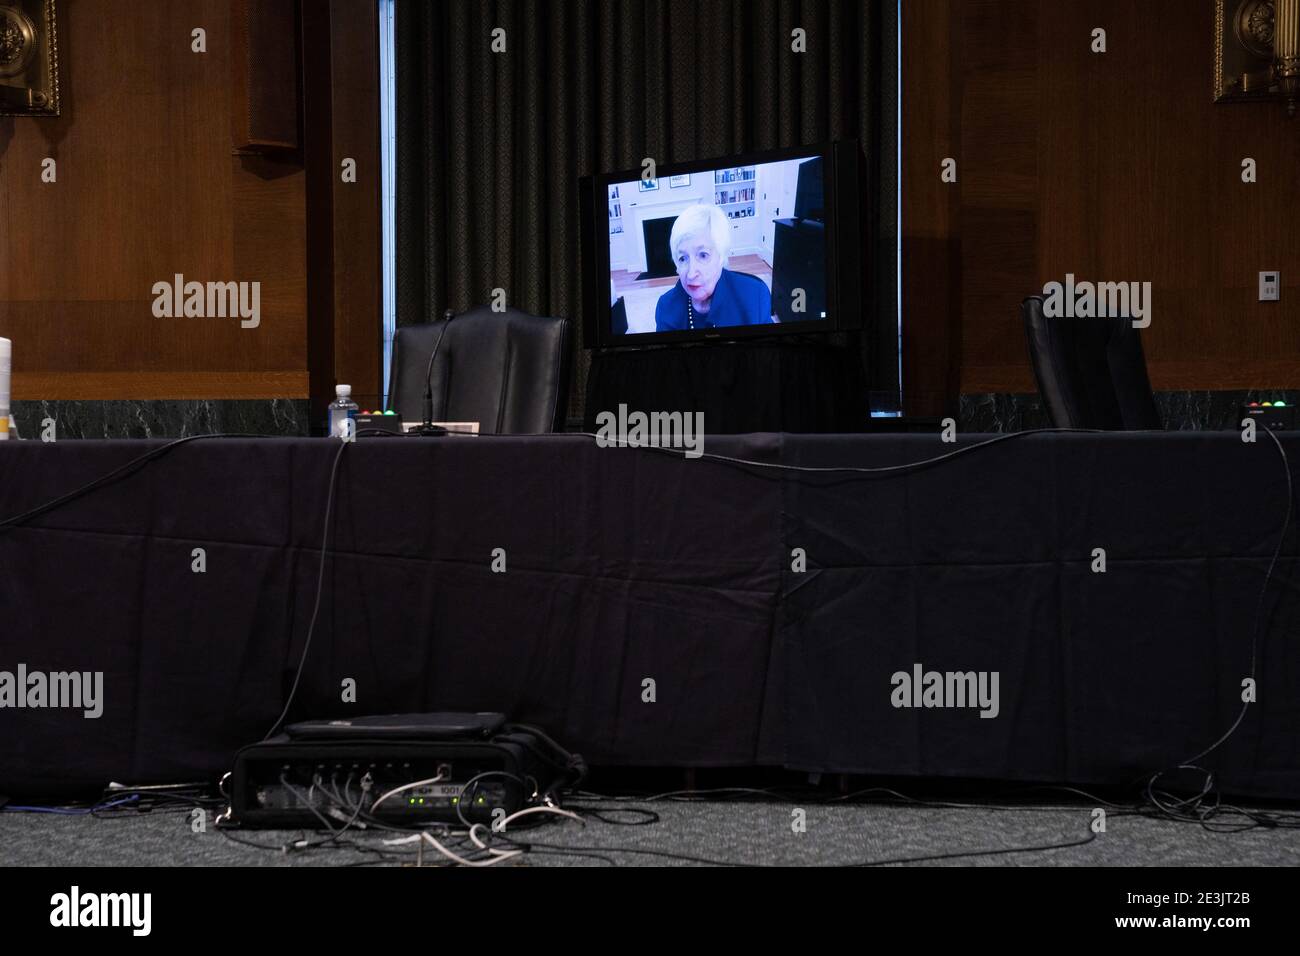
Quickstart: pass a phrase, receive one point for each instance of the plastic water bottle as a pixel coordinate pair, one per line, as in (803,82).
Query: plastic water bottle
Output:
(6,357)
(343,409)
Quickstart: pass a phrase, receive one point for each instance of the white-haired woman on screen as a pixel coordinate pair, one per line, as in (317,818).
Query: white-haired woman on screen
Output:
(708,295)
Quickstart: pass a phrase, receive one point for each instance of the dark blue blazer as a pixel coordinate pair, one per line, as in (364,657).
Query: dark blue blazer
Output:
(738,299)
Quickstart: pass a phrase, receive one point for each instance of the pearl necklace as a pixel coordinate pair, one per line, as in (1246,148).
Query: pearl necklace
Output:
(690,313)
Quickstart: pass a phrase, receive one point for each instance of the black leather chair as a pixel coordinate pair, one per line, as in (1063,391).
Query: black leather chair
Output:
(1091,372)
(508,371)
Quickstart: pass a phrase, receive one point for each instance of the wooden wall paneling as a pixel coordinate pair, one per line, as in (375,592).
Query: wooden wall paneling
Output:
(340,43)
(76,386)
(146,189)
(1138,180)
(931,239)
(269,211)
(264,75)
(318,154)
(358,244)
(1000,182)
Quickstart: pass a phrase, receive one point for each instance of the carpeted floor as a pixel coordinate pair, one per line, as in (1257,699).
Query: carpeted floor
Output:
(737,832)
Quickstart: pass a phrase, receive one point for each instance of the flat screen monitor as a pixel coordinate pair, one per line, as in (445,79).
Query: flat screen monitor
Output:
(736,246)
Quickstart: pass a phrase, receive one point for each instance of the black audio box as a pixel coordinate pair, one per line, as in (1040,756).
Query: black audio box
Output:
(406,769)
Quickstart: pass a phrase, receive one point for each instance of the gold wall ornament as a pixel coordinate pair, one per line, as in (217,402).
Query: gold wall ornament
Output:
(1286,53)
(29,58)
(1253,25)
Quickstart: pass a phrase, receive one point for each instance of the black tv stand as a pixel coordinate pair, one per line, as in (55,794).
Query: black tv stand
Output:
(806,383)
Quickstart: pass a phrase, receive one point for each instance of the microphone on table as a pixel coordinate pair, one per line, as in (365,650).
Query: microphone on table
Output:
(429,429)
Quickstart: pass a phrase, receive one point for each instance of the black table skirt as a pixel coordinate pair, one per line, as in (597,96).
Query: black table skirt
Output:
(624,566)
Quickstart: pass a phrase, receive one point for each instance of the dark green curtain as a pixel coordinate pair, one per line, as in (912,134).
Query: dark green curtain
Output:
(490,145)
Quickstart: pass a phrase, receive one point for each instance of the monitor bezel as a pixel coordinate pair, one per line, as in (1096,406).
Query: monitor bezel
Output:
(596,192)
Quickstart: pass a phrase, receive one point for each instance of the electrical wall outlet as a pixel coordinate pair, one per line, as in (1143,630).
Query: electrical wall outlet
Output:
(1270,287)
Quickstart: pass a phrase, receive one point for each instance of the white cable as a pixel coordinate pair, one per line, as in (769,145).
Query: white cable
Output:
(497,855)
(400,841)
(405,786)
(417,837)
(510,854)
(522,813)
(480,844)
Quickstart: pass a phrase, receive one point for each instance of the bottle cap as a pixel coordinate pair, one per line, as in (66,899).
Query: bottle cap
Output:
(342,390)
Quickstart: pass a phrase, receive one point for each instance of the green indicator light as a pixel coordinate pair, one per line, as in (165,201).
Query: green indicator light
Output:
(1279,404)
(390,412)
(455,800)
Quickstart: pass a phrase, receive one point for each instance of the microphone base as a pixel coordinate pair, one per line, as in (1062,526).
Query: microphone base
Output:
(427,431)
